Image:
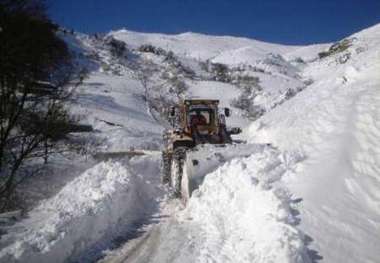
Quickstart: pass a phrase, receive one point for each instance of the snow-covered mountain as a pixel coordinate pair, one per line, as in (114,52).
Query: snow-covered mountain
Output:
(335,123)
(304,188)
(223,49)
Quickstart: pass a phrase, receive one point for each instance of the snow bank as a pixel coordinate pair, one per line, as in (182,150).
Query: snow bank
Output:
(335,122)
(244,214)
(98,205)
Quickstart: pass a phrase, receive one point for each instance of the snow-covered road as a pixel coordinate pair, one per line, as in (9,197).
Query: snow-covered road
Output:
(305,188)
(241,213)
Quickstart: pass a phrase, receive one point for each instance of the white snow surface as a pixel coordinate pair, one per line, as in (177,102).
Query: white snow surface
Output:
(305,188)
(336,123)
(244,216)
(307,53)
(242,212)
(115,106)
(222,49)
(98,206)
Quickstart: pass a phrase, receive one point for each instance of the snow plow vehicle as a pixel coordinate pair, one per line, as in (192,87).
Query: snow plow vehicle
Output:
(194,122)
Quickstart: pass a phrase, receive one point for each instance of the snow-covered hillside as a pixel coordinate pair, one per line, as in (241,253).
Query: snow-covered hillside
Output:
(223,49)
(303,188)
(335,123)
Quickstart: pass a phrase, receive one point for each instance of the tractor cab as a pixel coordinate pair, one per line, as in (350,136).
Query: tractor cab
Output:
(200,115)
(198,121)
(195,122)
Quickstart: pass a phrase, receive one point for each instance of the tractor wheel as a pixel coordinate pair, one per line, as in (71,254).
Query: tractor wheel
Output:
(176,169)
(185,186)
(226,138)
(166,167)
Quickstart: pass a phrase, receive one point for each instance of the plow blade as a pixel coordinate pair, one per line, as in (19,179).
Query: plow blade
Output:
(103,156)
(204,159)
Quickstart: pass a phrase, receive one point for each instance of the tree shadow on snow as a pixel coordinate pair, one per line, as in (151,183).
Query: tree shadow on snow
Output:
(108,104)
(136,230)
(314,255)
(98,251)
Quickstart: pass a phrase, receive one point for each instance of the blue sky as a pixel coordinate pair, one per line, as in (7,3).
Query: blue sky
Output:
(287,22)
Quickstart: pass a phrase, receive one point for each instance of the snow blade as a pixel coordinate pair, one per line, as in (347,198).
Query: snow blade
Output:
(103,156)
(204,159)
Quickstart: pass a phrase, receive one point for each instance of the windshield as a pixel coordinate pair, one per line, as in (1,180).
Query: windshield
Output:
(201,116)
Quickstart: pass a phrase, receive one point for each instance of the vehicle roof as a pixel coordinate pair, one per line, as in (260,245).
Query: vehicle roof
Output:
(200,101)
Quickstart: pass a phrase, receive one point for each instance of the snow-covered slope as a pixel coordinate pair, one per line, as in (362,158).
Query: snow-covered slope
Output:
(306,53)
(304,189)
(335,122)
(87,214)
(223,49)
(115,105)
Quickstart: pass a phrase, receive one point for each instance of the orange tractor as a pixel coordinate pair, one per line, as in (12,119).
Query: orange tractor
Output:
(194,122)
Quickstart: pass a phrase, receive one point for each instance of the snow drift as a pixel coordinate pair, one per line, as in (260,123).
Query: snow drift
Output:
(244,213)
(85,215)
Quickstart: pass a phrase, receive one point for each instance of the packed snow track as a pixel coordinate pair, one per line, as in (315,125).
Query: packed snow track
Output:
(240,213)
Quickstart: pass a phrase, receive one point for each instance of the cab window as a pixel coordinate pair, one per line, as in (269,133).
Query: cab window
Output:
(206,113)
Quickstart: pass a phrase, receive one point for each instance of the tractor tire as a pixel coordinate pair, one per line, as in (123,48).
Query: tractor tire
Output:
(185,186)
(225,136)
(166,167)
(176,170)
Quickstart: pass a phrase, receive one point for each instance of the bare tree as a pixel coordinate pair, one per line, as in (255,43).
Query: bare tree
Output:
(35,65)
